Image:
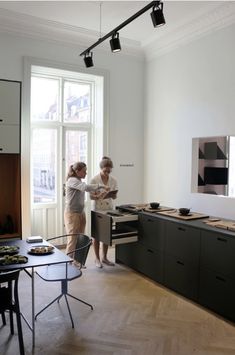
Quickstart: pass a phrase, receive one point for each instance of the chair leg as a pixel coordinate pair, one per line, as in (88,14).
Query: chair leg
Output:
(48,305)
(78,299)
(70,314)
(58,300)
(20,333)
(3,318)
(11,322)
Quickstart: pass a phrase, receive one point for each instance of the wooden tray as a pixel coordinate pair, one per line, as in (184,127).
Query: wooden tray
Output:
(159,209)
(228,225)
(176,214)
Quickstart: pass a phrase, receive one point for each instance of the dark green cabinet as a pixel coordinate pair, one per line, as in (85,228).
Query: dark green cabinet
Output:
(182,259)
(152,232)
(181,276)
(217,273)
(147,255)
(217,292)
(193,260)
(183,241)
(218,253)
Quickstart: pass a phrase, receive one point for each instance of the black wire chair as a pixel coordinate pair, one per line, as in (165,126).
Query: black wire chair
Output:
(53,273)
(10,302)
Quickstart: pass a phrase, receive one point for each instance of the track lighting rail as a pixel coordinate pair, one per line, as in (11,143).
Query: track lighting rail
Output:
(116,29)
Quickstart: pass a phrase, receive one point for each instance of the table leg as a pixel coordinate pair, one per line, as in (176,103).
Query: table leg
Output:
(33,310)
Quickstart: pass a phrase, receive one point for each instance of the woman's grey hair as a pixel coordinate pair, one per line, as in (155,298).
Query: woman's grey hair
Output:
(106,162)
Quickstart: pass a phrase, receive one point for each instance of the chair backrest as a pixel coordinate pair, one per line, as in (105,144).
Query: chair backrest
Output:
(82,248)
(6,291)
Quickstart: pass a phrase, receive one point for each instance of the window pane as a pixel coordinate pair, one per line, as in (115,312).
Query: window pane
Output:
(75,147)
(44,165)
(44,99)
(76,102)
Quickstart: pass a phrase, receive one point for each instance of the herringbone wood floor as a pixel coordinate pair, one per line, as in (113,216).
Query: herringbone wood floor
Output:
(132,315)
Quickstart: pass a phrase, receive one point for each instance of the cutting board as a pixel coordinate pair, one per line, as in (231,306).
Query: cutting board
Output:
(229,225)
(159,209)
(176,214)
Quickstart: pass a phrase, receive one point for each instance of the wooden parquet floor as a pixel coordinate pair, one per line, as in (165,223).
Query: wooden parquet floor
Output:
(132,316)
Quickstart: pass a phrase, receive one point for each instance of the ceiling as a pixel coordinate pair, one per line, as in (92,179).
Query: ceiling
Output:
(84,17)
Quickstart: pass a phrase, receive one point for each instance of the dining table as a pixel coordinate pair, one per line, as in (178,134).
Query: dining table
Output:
(56,256)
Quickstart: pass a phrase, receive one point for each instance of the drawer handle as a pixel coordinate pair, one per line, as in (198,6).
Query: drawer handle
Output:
(150,220)
(1,120)
(181,229)
(150,251)
(99,216)
(222,240)
(180,263)
(220,278)
(1,149)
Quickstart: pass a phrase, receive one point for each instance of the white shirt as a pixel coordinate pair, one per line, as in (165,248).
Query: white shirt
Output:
(104,204)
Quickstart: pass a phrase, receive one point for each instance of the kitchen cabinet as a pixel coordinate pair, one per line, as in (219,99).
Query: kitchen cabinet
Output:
(113,228)
(191,258)
(217,273)
(182,259)
(10,107)
(147,255)
(10,159)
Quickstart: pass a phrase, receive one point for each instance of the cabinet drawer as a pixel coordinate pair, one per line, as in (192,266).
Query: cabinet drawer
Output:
(145,260)
(181,276)
(217,253)
(9,139)
(183,241)
(151,232)
(9,102)
(217,292)
(151,263)
(111,231)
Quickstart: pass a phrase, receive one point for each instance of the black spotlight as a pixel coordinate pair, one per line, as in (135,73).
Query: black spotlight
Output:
(88,60)
(157,16)
(115,43)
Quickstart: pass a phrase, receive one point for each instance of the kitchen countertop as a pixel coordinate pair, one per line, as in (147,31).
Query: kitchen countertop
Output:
(196,223)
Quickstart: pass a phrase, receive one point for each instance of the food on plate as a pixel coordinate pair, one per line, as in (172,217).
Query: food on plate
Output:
(43,249)
(13,259)
(8,249)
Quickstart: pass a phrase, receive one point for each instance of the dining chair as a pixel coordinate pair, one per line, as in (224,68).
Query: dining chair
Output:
(67,271)
(10,301)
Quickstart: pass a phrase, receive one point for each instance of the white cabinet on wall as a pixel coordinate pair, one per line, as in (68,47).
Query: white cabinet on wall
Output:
(10,107)
(10,159)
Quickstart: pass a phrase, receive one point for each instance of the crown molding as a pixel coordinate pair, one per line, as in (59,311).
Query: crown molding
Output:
(32,27)
(221,17)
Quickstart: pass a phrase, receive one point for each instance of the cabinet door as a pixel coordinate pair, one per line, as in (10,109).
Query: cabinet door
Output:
(9,102)
(128,254)
(217,292)
(145,260)
(183,241)
(9,139)
(218,253)
(151,263)
(181,276)
(101,227)
(151,232)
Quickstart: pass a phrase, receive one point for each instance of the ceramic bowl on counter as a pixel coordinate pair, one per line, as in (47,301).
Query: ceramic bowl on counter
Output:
(184,211)
(154,205)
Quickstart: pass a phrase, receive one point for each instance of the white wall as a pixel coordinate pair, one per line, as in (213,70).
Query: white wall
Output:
(125,105)
(189,93)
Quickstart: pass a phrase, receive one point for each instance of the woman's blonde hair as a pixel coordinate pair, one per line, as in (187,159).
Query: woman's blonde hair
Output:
(106,162)
(75,167)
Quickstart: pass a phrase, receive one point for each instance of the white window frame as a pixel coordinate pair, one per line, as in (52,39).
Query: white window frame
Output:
(102,76)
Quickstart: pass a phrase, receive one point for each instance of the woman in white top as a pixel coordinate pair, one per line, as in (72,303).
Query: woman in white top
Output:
(74,215)
(100,203)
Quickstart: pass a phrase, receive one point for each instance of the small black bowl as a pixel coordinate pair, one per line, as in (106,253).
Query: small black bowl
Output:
(154,205)
(184,211)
